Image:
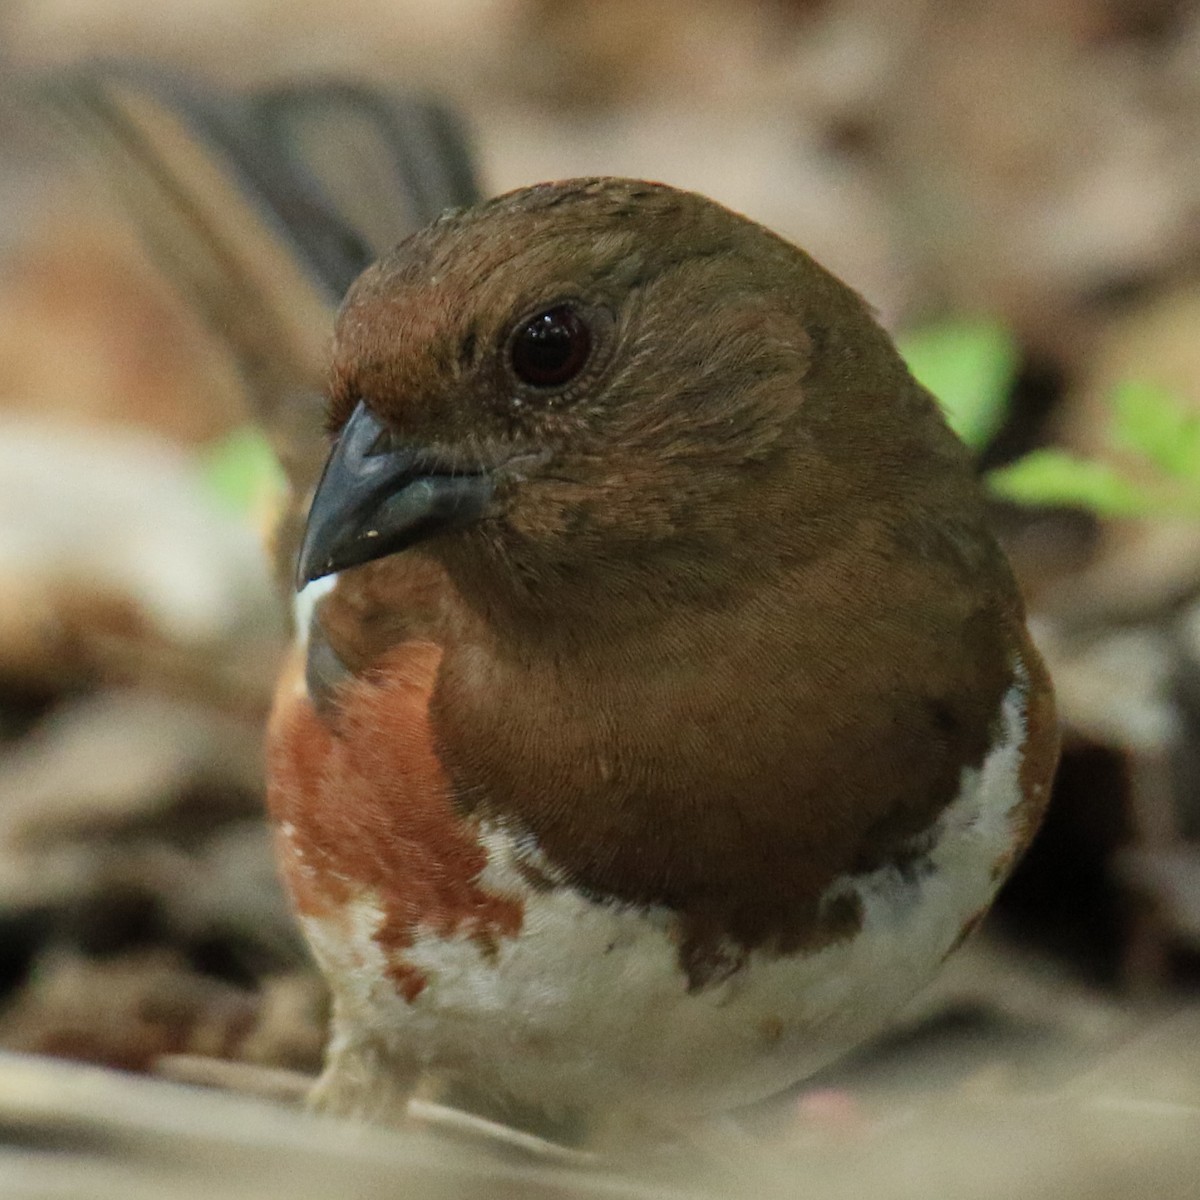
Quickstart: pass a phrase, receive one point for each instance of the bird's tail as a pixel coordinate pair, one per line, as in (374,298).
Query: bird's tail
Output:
(262,207)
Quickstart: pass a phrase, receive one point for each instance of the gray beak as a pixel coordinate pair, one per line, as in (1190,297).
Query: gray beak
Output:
(373,502)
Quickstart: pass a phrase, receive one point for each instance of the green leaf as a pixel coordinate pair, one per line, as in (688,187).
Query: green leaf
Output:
(1153,422)
(242,471)
(1053,477)
(970,367)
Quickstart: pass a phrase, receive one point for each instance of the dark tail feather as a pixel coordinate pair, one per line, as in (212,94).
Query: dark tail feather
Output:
(264,207)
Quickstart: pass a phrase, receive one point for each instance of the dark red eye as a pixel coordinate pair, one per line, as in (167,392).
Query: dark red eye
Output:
(551,348)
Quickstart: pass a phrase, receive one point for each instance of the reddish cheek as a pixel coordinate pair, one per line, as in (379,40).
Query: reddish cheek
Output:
(367,806)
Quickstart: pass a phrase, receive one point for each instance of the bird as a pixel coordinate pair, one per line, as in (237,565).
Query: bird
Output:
(662,713)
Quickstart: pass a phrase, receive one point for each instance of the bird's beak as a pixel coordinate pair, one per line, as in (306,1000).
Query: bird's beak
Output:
(374,501)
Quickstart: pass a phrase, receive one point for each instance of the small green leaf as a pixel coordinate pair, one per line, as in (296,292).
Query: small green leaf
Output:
(1053,477)
(970,367)
(1153,422)
(242,470)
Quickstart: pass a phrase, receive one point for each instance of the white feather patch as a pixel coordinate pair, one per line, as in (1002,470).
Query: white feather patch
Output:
(305,604)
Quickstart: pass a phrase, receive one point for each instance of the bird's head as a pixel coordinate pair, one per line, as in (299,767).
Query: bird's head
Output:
(611,383)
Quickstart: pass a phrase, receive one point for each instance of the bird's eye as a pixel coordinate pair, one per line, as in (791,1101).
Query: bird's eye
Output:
(550,349)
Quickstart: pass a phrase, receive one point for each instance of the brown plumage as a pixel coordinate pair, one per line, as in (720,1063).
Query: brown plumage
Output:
(725,627)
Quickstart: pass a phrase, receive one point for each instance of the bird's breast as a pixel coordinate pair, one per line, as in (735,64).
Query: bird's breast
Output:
(374,796)
(436,935)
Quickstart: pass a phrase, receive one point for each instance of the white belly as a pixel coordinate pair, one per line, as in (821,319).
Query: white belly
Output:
(588,1008)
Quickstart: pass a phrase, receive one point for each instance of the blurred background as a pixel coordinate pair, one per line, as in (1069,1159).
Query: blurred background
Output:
(185,192)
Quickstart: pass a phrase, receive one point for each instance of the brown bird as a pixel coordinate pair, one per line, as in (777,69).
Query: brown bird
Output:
(665,713)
